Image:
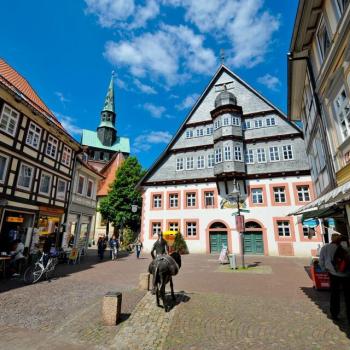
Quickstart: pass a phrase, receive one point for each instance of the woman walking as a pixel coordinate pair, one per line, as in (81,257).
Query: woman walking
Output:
(113,245)
(138,248)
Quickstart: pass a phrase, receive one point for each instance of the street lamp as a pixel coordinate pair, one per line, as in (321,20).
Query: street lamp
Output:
(235,194)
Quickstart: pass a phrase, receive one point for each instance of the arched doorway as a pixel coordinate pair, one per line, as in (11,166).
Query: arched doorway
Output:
(217,237)
(253,238)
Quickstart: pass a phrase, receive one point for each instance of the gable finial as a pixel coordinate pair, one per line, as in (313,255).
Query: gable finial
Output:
(222,56)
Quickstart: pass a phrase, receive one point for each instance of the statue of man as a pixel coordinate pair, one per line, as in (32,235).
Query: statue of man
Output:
(160,247)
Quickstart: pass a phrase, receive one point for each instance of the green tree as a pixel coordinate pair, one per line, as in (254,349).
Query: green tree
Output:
(180,244)
(116,206)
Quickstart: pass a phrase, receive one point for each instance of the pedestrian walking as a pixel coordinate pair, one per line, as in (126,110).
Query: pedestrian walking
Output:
(334,259)
(138,246)
(101,246)
(113,245)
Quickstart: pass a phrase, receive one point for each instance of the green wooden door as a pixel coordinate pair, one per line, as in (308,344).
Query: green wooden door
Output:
(217,240)
(253,243)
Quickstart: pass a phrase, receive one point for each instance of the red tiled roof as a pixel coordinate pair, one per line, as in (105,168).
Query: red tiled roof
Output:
(13,80)
(109,171)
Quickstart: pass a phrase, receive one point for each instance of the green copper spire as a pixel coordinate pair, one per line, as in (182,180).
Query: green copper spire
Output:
(109,101)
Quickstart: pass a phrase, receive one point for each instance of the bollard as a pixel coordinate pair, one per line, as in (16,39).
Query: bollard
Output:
(144,281)
(111,308)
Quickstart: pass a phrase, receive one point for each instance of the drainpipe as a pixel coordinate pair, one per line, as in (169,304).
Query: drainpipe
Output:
(318,109)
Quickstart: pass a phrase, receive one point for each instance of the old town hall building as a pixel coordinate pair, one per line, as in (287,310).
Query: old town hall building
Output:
(231,134)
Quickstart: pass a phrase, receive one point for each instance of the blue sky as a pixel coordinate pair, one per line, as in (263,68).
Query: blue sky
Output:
(164,53)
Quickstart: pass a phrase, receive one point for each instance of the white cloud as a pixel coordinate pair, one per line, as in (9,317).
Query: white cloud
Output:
(188,102)
(122,13)
(159,54)
(68,124)
(122,84)
(270,81)
(144,88)
(61,97)
(155,111)
(145,141)
(243,23)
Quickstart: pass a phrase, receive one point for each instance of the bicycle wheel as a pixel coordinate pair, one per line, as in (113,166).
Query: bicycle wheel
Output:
(33,274)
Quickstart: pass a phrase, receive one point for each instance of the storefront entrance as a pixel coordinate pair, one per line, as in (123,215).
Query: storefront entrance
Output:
(253,239)
(217,237)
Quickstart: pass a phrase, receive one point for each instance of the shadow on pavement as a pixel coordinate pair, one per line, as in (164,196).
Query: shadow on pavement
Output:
(180,297)
(123,317)
(64,269)
(321,299)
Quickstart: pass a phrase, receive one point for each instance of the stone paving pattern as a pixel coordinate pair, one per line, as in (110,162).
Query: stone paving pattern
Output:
(274,309)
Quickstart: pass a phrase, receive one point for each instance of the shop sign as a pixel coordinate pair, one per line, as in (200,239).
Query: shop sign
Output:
(14,219)
(51,211)
(240,223)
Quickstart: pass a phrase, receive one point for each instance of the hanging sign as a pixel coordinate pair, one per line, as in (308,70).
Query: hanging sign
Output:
(240,223)
(14,219)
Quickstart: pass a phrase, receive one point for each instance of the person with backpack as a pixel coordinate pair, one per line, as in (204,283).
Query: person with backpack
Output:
(334,259)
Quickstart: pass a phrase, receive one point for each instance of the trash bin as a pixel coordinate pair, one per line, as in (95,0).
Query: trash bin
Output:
(233,261)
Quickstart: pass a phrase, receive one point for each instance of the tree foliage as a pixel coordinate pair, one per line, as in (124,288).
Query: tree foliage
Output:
(180,244)
(116,206)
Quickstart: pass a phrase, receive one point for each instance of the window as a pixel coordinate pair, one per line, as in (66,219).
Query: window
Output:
(211,160)
(257,196)
(80,187)
(33,135)
(90,189)
(308,231)
(279,194)
(209,199)
(156,228)
(261,155)
(61,188)
(270,121)
(247,124)
(67,154)
(8,120)
(227,153)
(249,156)
(189,134)
(3,167)
(342,110)
(200,162)
(210,131)
(342,4)
(191,229)
(274,154)
(45,183)
(217,124)
(157,201)
(25,176)
(303,193)
(179,164)
(283,228)
(226,121)
(173,226)
(51,147)
(258,123)
(189,163)
(218,156)
(238,153)
(173,200)
(323,39)
(191,199)
(200,132)
(287,152)
(236,121)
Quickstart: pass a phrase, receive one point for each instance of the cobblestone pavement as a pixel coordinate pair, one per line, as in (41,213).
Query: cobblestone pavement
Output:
(273,307)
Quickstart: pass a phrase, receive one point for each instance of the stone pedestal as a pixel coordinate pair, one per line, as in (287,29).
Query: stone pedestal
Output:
(144,281)
(111,308)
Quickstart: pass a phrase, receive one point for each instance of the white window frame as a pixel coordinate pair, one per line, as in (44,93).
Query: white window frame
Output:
(33,133)
(282,228)
(249,156)
(50,183)
(179,164)
(279,194)
(191,199)
(61,195)
(157,200)
(191,228)
(261,155)
(342,110)
(189,134)
(237,153)
(235,121)
(51,144)
(3,175)
(287,151)
(92,188)
(209,130)
(209,195)
(322,26)
(189,163)
(211,160)
(66,155)
(226,121)
(200,132)
(227,153)
(173,199)
(274,154)
(258,123)
(247,125)
(218,156)
(12,117)
(174,226)
(301,192)
(82,190)
(271,121)
(31,177)
(257,196)
(200,162)
(156,228)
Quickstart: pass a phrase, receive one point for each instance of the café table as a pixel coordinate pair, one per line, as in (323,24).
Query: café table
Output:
(3,260)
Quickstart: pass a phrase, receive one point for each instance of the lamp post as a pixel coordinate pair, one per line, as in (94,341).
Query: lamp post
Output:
(235,194)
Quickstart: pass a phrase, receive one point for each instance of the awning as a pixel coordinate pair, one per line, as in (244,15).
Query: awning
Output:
(323,204)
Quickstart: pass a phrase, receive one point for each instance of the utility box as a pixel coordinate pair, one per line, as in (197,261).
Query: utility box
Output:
(233,261)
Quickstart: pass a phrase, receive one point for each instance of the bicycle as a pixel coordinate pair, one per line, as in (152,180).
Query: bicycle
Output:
(34,272)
